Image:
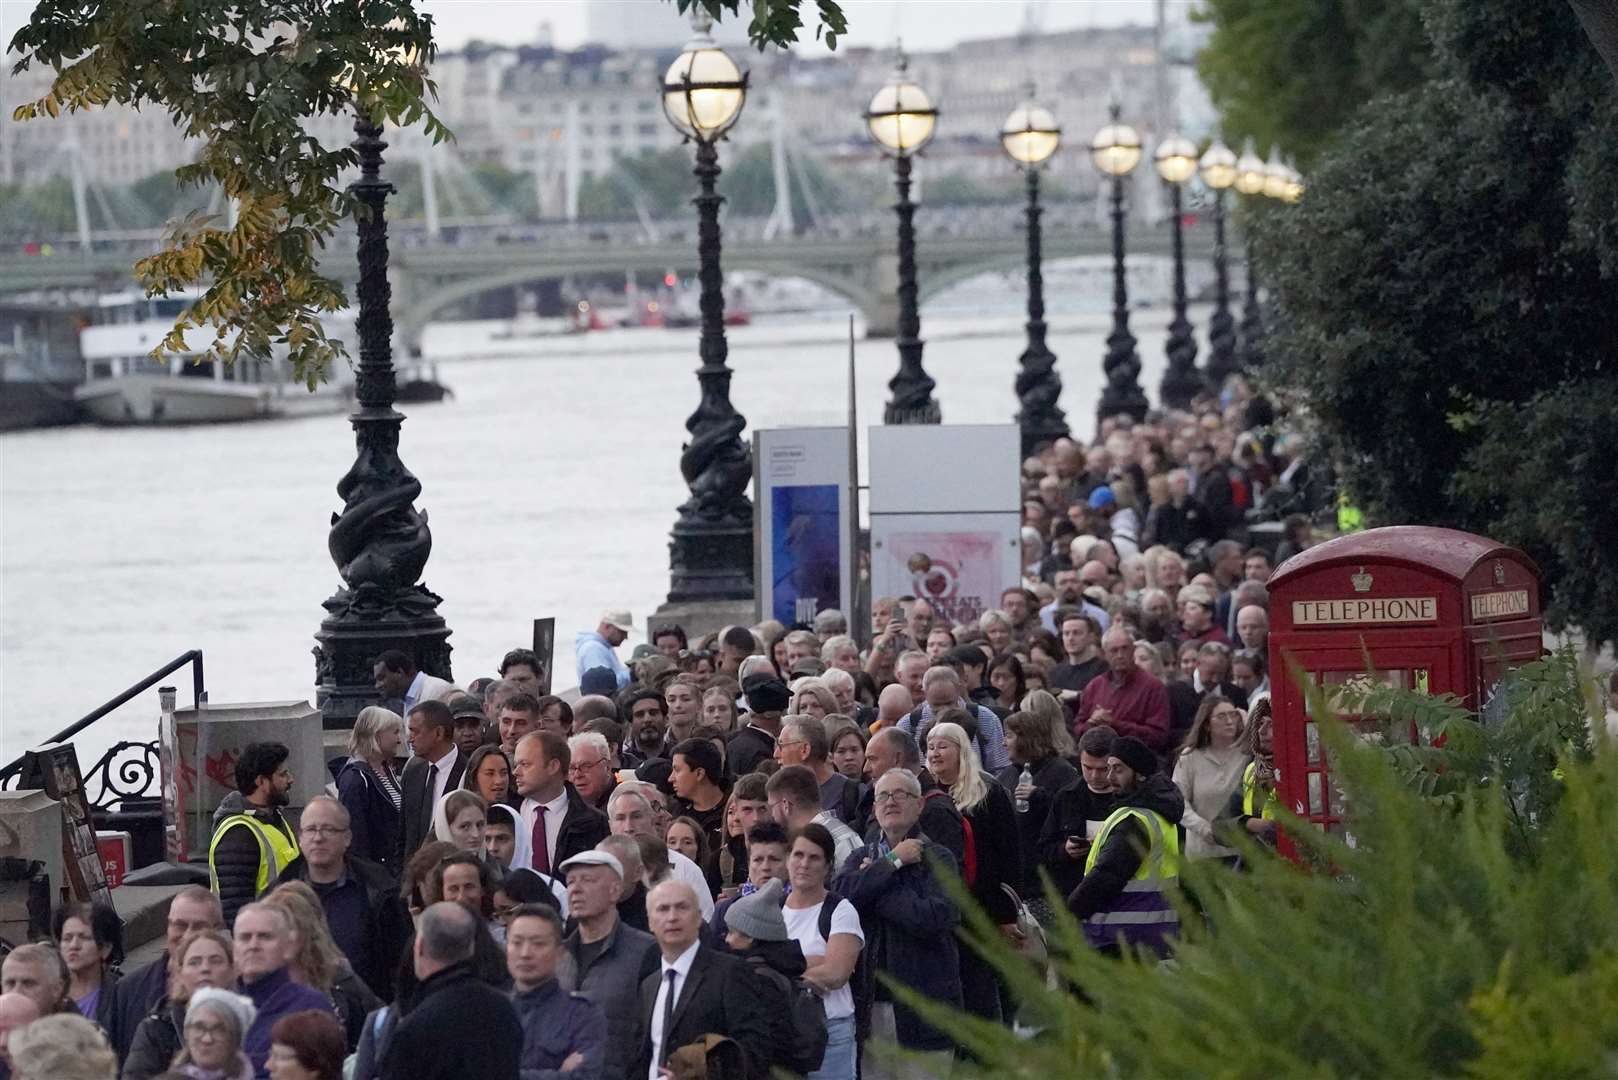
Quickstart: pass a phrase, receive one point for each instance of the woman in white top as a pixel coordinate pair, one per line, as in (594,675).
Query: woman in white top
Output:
(831,956)
(1209,768)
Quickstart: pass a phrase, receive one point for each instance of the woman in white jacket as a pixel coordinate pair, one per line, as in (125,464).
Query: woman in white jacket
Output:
(1208,769)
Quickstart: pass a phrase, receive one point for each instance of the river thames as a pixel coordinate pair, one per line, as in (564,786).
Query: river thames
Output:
(551,481)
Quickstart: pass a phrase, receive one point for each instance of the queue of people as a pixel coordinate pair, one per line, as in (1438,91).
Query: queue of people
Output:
(719,857)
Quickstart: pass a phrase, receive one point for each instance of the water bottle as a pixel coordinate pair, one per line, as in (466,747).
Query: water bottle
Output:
(1025,780)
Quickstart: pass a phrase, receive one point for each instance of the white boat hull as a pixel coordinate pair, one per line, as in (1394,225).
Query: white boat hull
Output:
(169,399)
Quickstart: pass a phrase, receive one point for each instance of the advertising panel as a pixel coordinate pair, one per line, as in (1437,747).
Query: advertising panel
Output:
(801,499)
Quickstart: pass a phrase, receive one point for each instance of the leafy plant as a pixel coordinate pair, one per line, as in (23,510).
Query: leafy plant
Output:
(1458,936)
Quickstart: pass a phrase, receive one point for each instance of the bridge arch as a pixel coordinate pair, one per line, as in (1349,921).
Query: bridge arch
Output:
(422,305)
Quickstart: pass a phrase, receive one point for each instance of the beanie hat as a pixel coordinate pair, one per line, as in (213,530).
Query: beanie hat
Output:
(759,915)
(233,1007)
(765,693)
(598,680)
(1102,496)
(1134,753)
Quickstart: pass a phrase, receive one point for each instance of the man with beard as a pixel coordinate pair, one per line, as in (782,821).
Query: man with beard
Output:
(648,726)
(253,844)
(1070,594)
(1134,861)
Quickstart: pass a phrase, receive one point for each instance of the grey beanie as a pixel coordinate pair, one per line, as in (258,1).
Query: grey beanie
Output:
(233,1007)
(758,915)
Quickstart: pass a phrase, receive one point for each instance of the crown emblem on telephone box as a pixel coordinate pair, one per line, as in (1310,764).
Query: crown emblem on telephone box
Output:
(1361,581)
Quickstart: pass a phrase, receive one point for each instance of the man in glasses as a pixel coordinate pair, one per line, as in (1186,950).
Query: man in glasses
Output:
(367,918)
(139,992)
(909,922)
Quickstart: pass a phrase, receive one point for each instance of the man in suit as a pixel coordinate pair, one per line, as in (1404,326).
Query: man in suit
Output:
(398,680)
(435,769)
(458,1027)
(558,821)
(696,990)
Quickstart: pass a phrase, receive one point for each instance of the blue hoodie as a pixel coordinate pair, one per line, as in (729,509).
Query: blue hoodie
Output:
(593,652)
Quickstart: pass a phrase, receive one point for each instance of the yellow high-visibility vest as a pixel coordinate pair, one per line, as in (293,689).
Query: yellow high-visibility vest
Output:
(1250,795)
(276,849)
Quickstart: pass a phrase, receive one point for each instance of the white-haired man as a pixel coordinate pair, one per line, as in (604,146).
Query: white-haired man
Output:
(630,813)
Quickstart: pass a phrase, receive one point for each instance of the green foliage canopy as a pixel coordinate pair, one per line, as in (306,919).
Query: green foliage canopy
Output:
(1292,72)
(1443,296)
(1468,926)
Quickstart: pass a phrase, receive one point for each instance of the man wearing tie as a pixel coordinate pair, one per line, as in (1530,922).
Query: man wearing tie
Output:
(697,990)
(559,823)
(435,769)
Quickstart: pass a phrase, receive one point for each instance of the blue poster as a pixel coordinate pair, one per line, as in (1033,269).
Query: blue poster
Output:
(807,541)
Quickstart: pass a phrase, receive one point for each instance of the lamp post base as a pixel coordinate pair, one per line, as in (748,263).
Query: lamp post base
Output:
(347,649)
(711,561)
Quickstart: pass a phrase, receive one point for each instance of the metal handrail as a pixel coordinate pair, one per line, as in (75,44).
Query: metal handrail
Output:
(198,689)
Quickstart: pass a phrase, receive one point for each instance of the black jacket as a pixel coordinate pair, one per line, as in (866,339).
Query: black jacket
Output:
(416,804)
(747,747)
(236,860)
(1073,808)
(374,823)
(458,1028)
(133,999)
(157,1040)
(612,980)
(1050,777)
(719,996)
(909,926)
(583,827)
(389,923)
(1126,846)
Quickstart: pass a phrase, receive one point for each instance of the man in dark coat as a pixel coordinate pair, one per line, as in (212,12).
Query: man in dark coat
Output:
(457,1027)
(361,901)
(555,817)
(142,990)
(767,698)
(434,771)
(909,922)
(563,1034)
(1077,812)
(610,958)
(698,990)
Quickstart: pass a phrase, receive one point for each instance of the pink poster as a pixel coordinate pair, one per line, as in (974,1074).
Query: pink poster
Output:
(959,571)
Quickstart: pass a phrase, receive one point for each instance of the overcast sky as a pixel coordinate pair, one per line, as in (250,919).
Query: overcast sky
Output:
(924,24)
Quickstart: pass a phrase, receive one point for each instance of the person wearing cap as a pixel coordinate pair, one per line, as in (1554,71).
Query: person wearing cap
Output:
(216,1025)
(597,648)
(609,957)
(767,698)
(756,931)
(563,1033)
(1134,862)
(467,711)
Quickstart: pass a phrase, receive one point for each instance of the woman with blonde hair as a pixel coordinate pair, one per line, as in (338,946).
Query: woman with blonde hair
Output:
(368,787)
(813,699)
(993,847)
(203,959)
(317,962)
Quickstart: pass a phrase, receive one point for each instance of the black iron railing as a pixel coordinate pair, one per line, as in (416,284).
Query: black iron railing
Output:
(129,769)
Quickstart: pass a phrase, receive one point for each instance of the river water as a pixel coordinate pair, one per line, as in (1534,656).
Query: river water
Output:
(551,481)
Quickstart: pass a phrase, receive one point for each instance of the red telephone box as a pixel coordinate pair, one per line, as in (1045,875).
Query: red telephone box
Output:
(1434,610)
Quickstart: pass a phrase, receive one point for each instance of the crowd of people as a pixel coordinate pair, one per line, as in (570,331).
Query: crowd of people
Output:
(718,857)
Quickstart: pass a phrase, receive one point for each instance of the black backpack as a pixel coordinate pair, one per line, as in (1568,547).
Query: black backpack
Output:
(802,1026)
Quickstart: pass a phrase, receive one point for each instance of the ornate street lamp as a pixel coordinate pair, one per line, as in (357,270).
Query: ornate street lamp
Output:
(1116,151)
(902,119)
(1030,136)
(1218,168)
(1176,161)
(1251,178)
(711,549)
(380,541)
